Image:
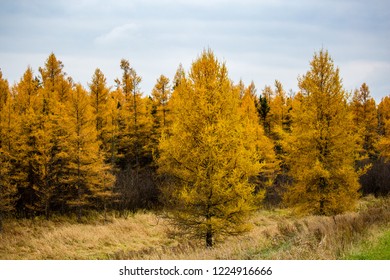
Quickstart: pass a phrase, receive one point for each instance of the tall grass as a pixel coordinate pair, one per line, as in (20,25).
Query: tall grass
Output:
(41,239)
(276,234)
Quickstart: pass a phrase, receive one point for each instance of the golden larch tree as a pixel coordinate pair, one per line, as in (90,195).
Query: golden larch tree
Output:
(89,177)
(365,118)
(322,145)
(136,121)
(161,94)
(264,146)
(35,163)
(7,188)
(99,94)
(384,127)
(210,155)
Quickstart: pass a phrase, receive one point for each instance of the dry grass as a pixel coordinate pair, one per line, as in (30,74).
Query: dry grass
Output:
(275,235)
(39,239)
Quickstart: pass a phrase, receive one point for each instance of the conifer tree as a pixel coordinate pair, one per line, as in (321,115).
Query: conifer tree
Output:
(264,108)
(210,155)
(179,76)
(384,127)
(384,115)
(264,146)
(7,188)
(99,94)
(37,161)
(56,86)
(322,146)
(33,150)
(366,120)
(279,111)
(26,92)
(89,178)
(161,94)
(137,121)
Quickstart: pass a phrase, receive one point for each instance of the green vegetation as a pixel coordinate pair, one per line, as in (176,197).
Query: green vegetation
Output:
(369,249)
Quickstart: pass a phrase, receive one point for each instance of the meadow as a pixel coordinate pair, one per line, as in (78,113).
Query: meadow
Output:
(276,234)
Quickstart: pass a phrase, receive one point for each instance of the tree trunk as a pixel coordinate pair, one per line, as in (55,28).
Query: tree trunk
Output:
(209,236)
(1,223)
(322,199)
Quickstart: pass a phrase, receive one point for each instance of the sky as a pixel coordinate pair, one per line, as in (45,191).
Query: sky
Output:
(259,41)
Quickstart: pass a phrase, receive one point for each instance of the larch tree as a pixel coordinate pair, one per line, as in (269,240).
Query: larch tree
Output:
(384,115)
(56,86)
(264,146)
(89,178)
(134,153)
(161,94)
(210,155)
(279,109)
(365,118)
(26,92)
(384,124)
(322,145)
(5,110)
(7,188)
(137,120)
(54,94)
(37,161)
(99,93)
(34,154)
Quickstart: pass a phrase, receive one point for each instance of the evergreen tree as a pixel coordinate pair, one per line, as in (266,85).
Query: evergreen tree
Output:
(322,146)
(264,108)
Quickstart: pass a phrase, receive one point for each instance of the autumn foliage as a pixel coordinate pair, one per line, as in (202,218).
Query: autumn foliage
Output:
(206,150)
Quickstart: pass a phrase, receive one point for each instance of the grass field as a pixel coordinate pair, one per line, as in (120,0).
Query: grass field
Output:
(277,234)
(374,248)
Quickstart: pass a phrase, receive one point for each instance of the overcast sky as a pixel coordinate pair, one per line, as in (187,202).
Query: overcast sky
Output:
(259,40)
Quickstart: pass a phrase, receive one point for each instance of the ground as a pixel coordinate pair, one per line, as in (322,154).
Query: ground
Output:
(276,234)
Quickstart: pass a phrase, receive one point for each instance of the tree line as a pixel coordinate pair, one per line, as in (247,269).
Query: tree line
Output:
(208,150)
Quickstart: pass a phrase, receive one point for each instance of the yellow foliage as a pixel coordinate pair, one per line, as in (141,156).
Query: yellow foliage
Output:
(322,147)
(365,120)
(211,153)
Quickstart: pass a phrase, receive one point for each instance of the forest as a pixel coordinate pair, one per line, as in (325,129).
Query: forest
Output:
(205,150)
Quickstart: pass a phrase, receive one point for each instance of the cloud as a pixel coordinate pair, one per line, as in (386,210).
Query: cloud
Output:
(260,40)
(372,72)
(116,34)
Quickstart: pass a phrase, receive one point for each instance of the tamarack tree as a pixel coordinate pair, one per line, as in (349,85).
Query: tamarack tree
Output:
(322,146)
(209,155)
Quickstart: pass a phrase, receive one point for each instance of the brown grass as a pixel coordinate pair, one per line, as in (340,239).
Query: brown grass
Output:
(276,235)
(40,239)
